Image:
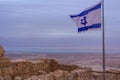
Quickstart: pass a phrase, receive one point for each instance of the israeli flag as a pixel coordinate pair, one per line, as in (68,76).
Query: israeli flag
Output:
(89,18)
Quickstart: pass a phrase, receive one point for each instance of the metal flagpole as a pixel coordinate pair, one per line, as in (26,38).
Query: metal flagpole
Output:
(103,40)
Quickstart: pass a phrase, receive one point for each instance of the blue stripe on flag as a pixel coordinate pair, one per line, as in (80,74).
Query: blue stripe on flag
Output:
(89,27)
(87,11)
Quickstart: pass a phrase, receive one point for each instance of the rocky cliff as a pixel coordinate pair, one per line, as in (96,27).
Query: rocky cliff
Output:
(45,69)
(49,69)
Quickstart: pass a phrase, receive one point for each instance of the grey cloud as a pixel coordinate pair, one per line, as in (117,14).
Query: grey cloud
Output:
(43,23)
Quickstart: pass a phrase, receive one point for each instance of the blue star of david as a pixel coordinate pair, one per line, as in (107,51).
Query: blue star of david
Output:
(84,21)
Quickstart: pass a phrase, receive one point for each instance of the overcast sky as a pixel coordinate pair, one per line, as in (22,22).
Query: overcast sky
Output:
(45,24)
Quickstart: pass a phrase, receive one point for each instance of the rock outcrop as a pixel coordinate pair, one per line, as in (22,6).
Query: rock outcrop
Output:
(2,51)
(80,74)
(5,65)
(48,69)
(44,66)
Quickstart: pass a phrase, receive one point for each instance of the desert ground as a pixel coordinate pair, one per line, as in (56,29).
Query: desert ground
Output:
(58,66)
(84,59)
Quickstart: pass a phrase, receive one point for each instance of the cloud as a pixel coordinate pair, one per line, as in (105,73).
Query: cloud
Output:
(43,23)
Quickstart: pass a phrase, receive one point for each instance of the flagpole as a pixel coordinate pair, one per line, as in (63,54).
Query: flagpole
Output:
(103,40)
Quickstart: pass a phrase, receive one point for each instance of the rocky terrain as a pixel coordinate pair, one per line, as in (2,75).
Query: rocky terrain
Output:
(48,69)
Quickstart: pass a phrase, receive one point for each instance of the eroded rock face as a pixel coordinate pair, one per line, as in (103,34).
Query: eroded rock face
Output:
(80,74)
(45,66)
(5,65)
(49,69)
(2,51)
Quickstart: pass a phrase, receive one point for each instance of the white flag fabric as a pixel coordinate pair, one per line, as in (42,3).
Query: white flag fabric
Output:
(89,18)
